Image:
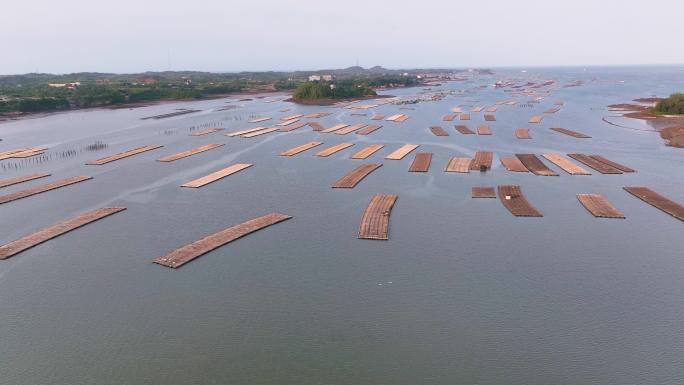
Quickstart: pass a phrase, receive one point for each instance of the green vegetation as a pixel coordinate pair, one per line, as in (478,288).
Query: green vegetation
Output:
(674,105)
(340,90)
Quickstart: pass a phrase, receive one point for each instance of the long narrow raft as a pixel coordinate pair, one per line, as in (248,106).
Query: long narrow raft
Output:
(334,128)
(185,154)
(263,131)
(463,129)
(259,120)
(490,118)
(421,162)
(356,175)
(21,179)
(438,131)
(522,133)
(512,198)
(214,176)
(448,117)
(513,164)
(300,149)
(293,127)
(483,192)
(601,167)
(565,164)
(572,133)
(368,151)
(187,253)
(658,201)
(350,129)
(401,152)
(316,126)
(484,129)
(368,129)
(482,161)
(331,150)
(536,119)
(461,165)
(43,188)
(599,206)
(247,131)
(535,165)
(206,132)
(610,163)
(375,220)
(465,117)
(123,155)
(29,241)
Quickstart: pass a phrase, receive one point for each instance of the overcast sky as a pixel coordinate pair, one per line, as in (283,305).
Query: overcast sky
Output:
(62,36)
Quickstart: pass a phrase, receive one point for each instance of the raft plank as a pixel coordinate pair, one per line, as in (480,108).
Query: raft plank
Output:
(187,253)
(513,199)
(448,117)
(482,161)
(375,219)
(356,175)
(572,133)
(421,162)
(331,150)
(457,164)
(22,244)
(535,165)
(247,131)
(463,129)
(522,133)
(599,206)
(214,176)
(206,132)
(316,126)
(601,167)
(21,179)
(378,117)
(368,129)
(334,128)
(536,119)
(350,129)
(368,151)
(483,192)
(514,164)
(260,132)
(438,131)
(185,154)
(490,118)
(43,188)
(123,155)
(565,164)
(401,152)
(658,201)
(465,117)
(259,120)
(299,149)
(609,162)
(484,129)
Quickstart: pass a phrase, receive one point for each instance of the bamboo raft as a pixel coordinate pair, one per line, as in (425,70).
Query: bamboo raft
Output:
(522,133)
(378,117)
(350,129)
(401,152)
(456,164)
(463,129)
(170,114)
(610,163)
(368,151)
(482,161)
(421,162)
(259,120)
(601,167)
(356,175)
(477,109)
(368,129)
(552,110)
(565,164)
(331,150)
(22,244)
(299,149)
(658,201)
(185,154)
(123,155)
(259,132)
(484,129)
(316,126)
(536,119)
(42,188)
(572,133)
(317,115)
(397,118)
(513,199)
(247,131)
(21,179)
(293,117)
(287,122)
(334,128)
(513,164)
(535,165)
(293,127)
(375,219)
(491,109)
(187,253)
(599,206)
(214,176)
(448,117)
(438,131)
(456,110)
(22,153)
(465,117)
(206,132)
(483,192)
(489,118)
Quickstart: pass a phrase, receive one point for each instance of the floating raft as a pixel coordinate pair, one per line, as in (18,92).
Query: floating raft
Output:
(599,206)
(401,152)
(43,188)
(572,133)
(601,167)
(334,128)
(535,165)
(123,155)
(463,129)
(368,151)
(350,129)
(317,115)
(484,129)
(214,176)
(438,131)
(259,132)
(21,179)
(375,220)
(356,175)
(368,129)
(477,109)
(247,131)
(259,120)
(331,150)
(288,122)
(513,200)
(171,114)
(29,241)
(448,117)
(378,117)
(316,126)
(552,110)
(289,118)
(299,149)
(22,153)
(491,109)
(658,201)
(522,133)
(482,161)
(609,162)
(465,117)
(292,127)
(397,118)
(458,165)
(536,119)
(421,162)
(483,192)
(565,164)
(456,110)
(513,164)
(185,154)
(490,118)
(206,132)
(185,254)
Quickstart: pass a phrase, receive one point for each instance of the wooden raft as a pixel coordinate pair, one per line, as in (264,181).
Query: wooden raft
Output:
(658,201)
(491,109)
(572,133)
(513,164)
(287,122)
(247,131)
(513,200)
(490,118)
(331,150)
(21,179)
(368,151)
(185,154)
(401,152)
(29,241)
(187,253)
(43,188)
(421,162)
(484,129)
(293,117)
(123,155)
(535,165)
(438,131)
(316,126)
(448,117)
(206,132)
(463,129)
(259,120)
(522,133)
(482,161)
(356,175)
(259,132)
(465,117)
(601,167)
(375,219)
(378,117)
(536,119)
(299,149)
(599,206)
(609,162)
(334,128)
(293,127)
(368,129)
(350,129)
(483,192)
(477,109)
(458,165)
(22,152)
(214,176)
(565,164)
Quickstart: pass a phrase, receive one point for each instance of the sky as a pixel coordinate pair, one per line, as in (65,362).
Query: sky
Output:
(124,36)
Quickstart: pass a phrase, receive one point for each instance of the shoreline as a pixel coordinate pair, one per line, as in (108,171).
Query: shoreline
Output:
(330,102)
(669,127)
